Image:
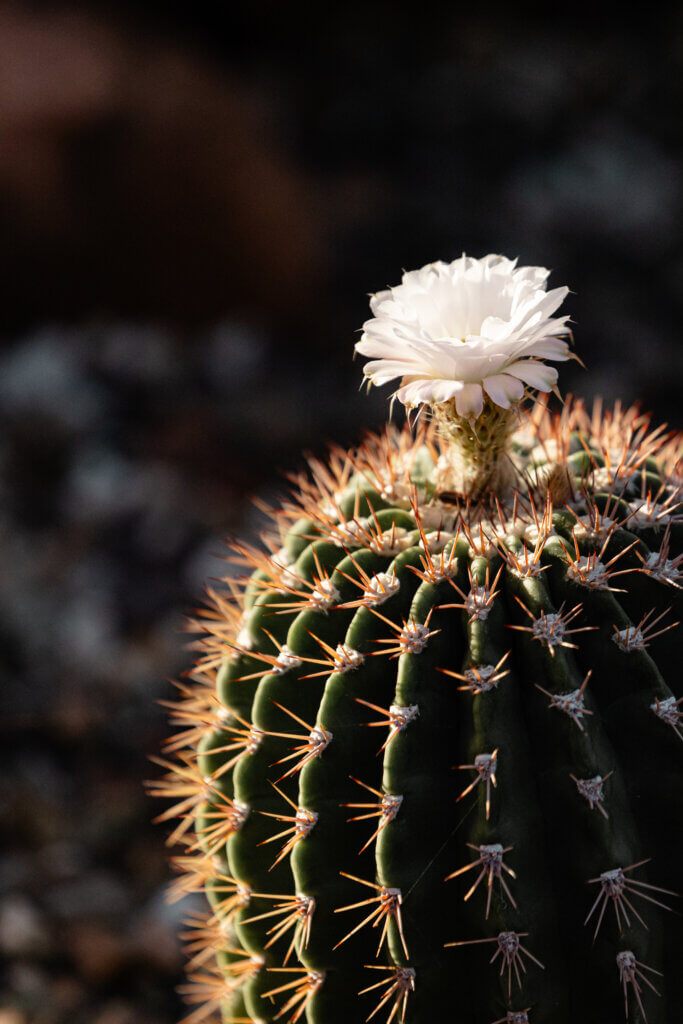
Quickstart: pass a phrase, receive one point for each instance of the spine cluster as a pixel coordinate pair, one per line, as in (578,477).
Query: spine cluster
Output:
(429,765)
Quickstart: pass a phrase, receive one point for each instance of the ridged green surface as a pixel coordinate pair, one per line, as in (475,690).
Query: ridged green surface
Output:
(557,841)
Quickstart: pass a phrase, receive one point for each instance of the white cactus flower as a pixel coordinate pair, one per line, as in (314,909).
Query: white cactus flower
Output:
(455,330)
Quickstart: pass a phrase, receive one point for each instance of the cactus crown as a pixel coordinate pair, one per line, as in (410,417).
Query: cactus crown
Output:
(428,765)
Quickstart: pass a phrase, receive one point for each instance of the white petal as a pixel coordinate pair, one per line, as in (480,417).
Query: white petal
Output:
(444,390)
(538,375)
(381,371)
(548,302)
(495,329)
(378,298)
(535,276)
(503,389)
(474,366)
(550,348)
(390,347)
(417,391)
(545,348)
(469,402)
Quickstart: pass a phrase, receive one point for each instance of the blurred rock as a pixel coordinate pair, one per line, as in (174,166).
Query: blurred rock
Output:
(42,376)
(99,953)
(23,929)
(94,894)
(153,936)
(29,983)
(615,183)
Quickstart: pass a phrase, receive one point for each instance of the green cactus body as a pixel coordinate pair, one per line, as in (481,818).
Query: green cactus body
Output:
(433,757)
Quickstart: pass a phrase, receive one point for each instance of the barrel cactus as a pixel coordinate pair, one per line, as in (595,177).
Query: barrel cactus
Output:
(429,766)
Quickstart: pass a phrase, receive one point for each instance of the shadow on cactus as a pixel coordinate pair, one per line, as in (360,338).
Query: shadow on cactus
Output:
(429,765)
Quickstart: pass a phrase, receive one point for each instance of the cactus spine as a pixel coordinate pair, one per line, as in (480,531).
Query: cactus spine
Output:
(430,761)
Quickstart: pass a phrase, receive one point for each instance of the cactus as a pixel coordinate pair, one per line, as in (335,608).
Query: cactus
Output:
(429,765)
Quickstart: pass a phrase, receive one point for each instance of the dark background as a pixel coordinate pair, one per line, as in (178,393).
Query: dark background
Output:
(194,204)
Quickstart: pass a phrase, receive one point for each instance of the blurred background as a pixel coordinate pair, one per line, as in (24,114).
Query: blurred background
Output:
(195,201)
